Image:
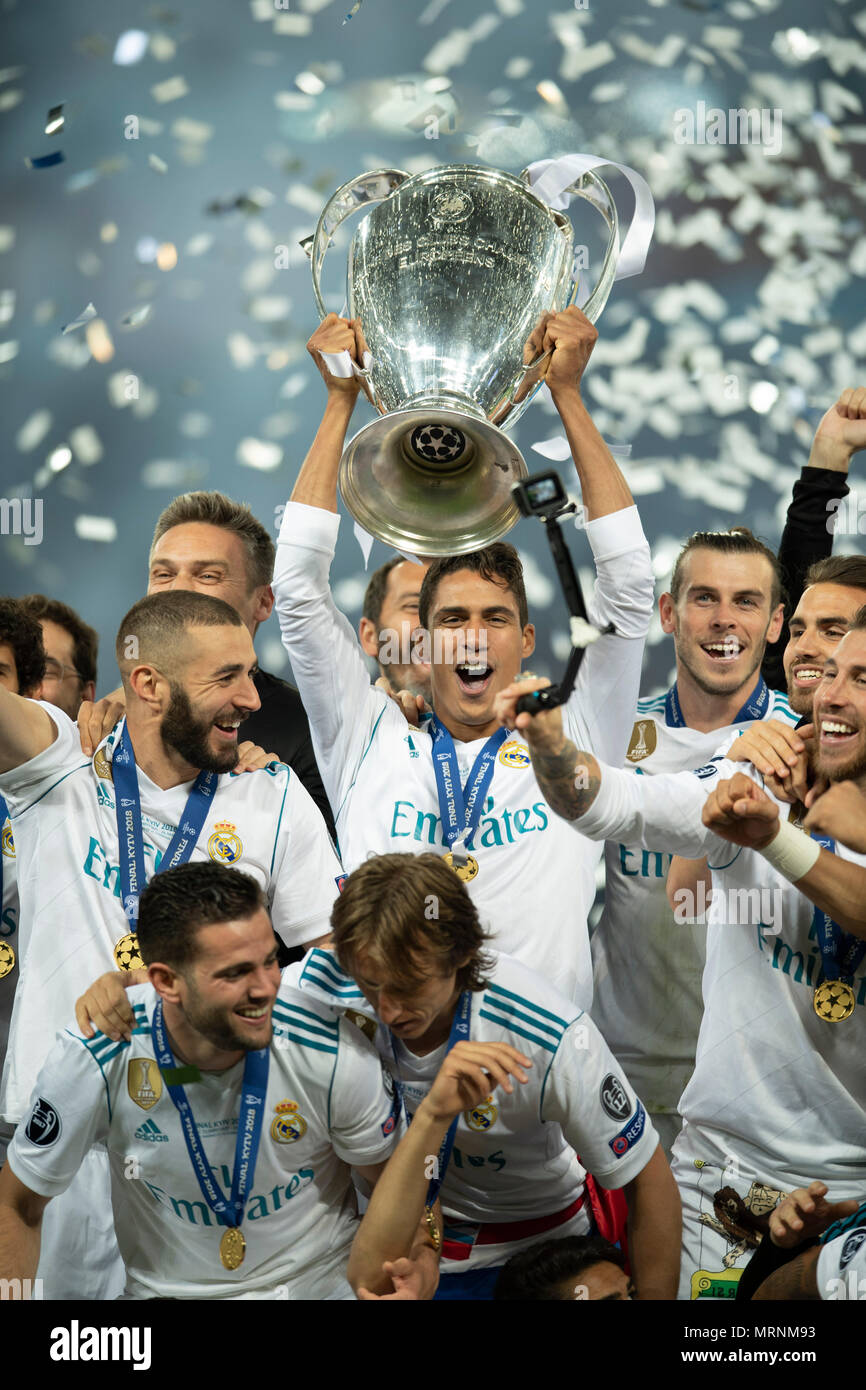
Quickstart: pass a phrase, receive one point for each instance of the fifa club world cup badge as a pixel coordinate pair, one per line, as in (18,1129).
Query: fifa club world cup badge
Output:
(642,741)
(143,1081)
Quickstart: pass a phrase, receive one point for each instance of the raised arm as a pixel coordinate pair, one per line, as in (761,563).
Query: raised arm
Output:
(741,812)
(609,803)
(390,1226)
(601,708)
(317,481)
(25,730)
(818,494)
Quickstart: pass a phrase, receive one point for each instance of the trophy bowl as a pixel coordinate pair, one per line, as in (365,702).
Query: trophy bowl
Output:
(449,272)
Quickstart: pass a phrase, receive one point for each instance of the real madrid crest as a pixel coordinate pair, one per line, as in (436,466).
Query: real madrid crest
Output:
(642,741)
(225,845)
(481,1117)
(143,1081)
(514,754)
(288,1126)
(7,844)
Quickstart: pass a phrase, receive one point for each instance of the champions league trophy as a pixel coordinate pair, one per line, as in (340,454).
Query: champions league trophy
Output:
(449,273)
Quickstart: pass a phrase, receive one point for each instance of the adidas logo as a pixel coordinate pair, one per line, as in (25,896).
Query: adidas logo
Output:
(150,1130)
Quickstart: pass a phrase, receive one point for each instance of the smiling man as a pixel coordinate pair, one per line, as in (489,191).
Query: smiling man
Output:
(157,792)
(207,543)
(779,1062)
(458,785)
(722,608)
(213,1031)
(388,621)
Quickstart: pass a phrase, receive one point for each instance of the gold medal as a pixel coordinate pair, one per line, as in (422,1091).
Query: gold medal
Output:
(7,960)
(834,1001)
(465,872)
(433,1229)
(126,953)
(233,1247)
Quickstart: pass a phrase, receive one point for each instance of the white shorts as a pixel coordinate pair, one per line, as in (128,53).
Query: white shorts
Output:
(713,1258)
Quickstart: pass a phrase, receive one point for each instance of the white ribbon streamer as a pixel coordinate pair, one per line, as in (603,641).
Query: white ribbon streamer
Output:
(549,178)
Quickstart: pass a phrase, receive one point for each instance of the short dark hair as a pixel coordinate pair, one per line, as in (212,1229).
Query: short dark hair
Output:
(848,570)
(739,540)
(177,902)
(499,561)
(160,621)
(85,642)
(215,509)
(858,622)
(539,1272)
(394,907)
(21,631)
(374,595)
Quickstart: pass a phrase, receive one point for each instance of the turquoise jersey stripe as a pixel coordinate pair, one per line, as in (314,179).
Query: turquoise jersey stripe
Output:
(513,1028)
(527,1004)
(512,1009)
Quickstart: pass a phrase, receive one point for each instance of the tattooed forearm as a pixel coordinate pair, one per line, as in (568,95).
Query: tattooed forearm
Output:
(569,779)
(796,1280)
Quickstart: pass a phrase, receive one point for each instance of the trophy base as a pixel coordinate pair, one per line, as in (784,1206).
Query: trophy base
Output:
(431,481)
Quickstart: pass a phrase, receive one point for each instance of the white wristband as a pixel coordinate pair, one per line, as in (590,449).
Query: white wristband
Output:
(792,853)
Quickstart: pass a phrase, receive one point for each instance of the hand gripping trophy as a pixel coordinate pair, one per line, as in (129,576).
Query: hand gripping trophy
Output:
(449,272)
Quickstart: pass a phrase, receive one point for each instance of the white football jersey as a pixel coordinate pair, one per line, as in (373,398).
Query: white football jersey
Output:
(647,966)
(62,805)
(532,890)
(515,1157)
(9,943)
(841,1271)
(774,1086)
(326,1108)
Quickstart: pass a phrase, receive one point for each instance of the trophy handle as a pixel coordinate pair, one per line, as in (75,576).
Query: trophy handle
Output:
(361,191)
(594,190)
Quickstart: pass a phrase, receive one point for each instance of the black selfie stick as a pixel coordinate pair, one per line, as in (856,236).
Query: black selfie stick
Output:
(543,496)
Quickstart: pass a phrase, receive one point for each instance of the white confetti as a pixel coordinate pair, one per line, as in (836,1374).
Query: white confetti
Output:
(259,453)
(294,25)
(96,528)
(662,56)
(169,90)
(158,164)
(577,62)
(136,318)
(87,313)
(193,132)
(130,47)
(86,444)
(33,431)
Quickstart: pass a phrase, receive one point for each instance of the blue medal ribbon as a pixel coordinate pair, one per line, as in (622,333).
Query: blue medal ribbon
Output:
(229,1211)
(460,807)
(130,837)
(460,1026)
(754,708)
(841,952)
(4,813)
